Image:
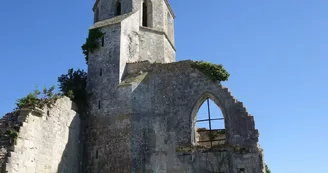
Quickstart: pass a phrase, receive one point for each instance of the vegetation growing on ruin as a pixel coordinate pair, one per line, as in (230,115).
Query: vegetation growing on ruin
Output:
(267,170)
(215,72)
(92,42)
(73,85)
(13,136)
(38,99)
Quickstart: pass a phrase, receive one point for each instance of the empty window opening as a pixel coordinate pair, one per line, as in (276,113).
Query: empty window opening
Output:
(210,128)
(102,41)
(118,8)
(99,104)
(144,14)
(97,154)
(100,72)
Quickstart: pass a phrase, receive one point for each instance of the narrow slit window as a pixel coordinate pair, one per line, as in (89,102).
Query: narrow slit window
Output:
(144,14)
(100,72)
(102,41)
(99,104)
(118,8)
(97,154)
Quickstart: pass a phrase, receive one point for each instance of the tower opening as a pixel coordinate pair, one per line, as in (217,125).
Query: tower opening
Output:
(96,17)
(209,125)
(144,14)
(118,8)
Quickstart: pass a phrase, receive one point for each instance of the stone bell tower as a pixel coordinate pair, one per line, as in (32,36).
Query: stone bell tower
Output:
(134,31)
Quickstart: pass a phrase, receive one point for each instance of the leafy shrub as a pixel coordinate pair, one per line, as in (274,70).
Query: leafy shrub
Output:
(267,170)
(73,85)
(13,136)
(29,101)
(91,43)
(212,71)
(35,99)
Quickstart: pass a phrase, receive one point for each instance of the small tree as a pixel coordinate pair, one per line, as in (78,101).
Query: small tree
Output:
(73,85)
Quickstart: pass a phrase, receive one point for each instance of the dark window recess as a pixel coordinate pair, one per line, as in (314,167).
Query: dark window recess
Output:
(144,15)
(102,41)
(97,154)
(118,8)
(99,104)
(97,15)
(241,170)
(100,72)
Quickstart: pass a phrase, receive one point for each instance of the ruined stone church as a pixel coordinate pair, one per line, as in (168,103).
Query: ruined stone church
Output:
(143,109)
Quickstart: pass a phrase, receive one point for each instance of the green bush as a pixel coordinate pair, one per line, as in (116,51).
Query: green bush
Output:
(212,71)
(35,99)
(29,101)
(267,169)
(73,85)
(13,136)
(91,43)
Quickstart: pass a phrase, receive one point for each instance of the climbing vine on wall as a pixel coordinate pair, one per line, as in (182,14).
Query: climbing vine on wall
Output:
(215,72)
(91,43)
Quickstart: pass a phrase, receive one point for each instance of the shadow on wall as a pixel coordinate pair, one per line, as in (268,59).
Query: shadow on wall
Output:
(71,156)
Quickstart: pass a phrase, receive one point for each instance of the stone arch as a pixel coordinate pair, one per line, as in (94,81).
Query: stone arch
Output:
(196,106)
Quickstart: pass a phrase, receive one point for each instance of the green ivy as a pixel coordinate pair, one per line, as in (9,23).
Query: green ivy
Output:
(212,71)
(91,43)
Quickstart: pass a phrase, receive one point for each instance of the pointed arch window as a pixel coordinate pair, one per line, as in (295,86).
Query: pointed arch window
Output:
(118,8)
(209,125)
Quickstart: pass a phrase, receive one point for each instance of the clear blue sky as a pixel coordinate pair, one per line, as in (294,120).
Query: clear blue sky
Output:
(275,50)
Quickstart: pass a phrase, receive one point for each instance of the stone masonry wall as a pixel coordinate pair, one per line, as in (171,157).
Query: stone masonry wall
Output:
(48,141)
(148,126)
(7,122)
